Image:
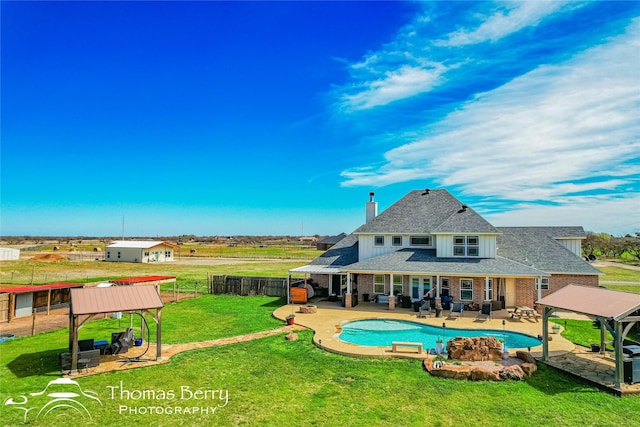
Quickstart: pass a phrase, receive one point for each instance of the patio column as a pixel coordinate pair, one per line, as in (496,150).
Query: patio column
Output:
(287,283)
(546,312)
(437,295)
(617,338)
(348,295)
(392,298)
(539,288)
(159,333)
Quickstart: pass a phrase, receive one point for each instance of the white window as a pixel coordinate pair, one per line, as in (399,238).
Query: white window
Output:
(542,283)
(378,283)
(118,255)
(465,246)
(397,285)
(167,254)
(396,241)
(466,289)
(420,240)
(108,254)
(146,253)
(378,240)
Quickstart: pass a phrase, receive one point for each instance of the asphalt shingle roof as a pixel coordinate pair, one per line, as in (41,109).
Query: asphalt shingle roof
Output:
(421,211)
(521,251)
(343,253)
(537,247)
(425,261)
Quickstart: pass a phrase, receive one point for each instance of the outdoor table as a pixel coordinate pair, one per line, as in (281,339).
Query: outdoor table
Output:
(525,311)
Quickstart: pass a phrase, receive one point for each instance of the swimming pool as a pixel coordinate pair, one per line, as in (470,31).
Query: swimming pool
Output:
(383,332)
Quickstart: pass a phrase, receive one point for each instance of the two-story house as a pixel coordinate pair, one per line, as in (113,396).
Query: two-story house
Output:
(429,240)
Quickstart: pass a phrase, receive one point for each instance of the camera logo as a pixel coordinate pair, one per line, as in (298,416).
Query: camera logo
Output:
(61,397)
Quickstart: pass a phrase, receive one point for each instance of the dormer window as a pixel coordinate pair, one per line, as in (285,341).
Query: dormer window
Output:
(378,240)
(465,246)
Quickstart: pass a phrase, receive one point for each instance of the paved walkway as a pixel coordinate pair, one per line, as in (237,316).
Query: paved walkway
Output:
(122,362)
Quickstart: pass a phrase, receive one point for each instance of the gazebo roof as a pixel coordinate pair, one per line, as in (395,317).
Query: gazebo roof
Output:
(115,298)
(605,303)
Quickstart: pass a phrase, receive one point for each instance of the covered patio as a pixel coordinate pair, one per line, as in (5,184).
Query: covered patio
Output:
(617,312)
(89,302)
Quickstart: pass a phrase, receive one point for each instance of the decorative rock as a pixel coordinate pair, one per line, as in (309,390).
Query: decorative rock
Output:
(513,372)
(481,374)
(452,371)
(474,349)
(529,368)
(291,336)
(309,309)
(525,356)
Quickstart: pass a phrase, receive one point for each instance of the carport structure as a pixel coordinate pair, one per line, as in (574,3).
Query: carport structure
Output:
(618,312)
(88,302)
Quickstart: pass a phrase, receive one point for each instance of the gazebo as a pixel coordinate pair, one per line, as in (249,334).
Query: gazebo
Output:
(89,302)
(618,311)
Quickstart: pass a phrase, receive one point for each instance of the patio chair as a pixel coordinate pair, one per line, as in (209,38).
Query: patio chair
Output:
(425,309)
(485,312)
(456,309)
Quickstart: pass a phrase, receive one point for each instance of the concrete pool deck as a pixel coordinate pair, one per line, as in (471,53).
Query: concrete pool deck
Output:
(331,315)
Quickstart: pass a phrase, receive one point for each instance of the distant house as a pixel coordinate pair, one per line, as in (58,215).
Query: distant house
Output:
(430,240)
(329,241)
(145,251)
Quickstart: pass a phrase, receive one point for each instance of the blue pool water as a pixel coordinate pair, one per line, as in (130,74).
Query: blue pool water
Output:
(380,332)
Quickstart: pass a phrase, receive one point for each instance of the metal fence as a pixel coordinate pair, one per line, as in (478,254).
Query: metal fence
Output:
(243,285)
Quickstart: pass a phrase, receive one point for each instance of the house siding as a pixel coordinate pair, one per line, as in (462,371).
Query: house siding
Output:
(574,245)
(137,254)
(486,245)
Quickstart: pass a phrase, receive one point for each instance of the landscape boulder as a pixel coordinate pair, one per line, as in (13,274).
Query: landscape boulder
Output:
(525,356)
(474,349)
(308,309)
(291,336)
(529,368)
(513,372)
(481,374)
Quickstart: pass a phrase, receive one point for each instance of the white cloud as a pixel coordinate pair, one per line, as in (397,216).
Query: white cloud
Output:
(553,135)
(617,215)
(416,61)
(511,17)
(405,82)
(557,124)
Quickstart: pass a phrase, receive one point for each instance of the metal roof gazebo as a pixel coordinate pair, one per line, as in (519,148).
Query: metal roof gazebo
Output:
(89,302)
(618,311)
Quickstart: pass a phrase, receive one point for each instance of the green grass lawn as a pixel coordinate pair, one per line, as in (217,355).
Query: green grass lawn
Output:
(26,271)
(274,382)
(582,332)
(619,274)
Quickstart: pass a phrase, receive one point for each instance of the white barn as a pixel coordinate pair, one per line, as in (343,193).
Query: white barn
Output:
(140,251)
(9,254)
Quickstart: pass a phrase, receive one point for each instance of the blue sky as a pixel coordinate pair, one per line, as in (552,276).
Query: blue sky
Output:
(225,118)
